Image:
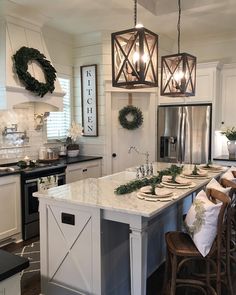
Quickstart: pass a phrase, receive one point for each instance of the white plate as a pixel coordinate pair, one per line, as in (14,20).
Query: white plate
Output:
(211,168)
(144,195)
(163,192)
(160,193)
(146,189)
(173,184)
(202,173)
(193,184)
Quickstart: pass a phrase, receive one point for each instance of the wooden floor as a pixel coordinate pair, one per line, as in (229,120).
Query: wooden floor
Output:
(154,283)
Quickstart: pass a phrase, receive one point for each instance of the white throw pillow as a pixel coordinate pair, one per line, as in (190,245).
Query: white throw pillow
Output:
(228,175)
(232,168)
(216,185)
(201,222)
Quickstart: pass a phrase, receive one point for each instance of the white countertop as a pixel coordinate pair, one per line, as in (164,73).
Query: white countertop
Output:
(100,193)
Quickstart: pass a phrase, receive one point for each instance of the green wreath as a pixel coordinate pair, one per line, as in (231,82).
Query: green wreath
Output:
(136,121)
(21,58)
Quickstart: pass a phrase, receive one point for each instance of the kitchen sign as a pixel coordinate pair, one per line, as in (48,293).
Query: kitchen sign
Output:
(89,99)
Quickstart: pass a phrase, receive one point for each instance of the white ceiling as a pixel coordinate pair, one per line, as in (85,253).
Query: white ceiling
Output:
(199,17)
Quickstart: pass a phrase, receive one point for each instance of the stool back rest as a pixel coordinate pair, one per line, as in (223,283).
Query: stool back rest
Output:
(229,183)
(216,196)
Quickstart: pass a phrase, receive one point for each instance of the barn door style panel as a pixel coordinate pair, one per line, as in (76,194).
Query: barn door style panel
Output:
(73,251)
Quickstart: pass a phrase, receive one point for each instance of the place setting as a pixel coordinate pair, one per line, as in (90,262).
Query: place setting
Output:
(196,173)
(211,167)
(160,194)
(177,182)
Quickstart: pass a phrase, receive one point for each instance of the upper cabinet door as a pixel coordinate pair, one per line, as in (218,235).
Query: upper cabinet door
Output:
(206,77)
(229,96)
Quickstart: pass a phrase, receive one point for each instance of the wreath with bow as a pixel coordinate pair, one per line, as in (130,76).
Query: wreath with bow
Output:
(136,114)
(21,59)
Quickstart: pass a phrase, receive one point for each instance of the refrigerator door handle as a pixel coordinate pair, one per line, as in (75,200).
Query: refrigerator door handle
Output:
(182,137)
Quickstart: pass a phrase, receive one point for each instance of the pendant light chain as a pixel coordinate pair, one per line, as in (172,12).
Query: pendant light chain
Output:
(178,24)
(135,13)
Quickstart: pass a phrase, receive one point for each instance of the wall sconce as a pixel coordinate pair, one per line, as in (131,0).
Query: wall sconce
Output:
(178,71)
(134,57)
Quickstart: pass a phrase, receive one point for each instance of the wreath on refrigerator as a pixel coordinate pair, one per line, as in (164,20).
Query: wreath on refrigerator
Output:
(136,117)
(22,58)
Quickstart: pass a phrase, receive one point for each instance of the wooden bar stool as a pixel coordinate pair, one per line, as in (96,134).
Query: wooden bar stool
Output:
(181,250)
(231,217)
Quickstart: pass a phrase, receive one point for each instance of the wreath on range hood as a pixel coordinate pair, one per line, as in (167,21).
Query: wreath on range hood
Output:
(25,55)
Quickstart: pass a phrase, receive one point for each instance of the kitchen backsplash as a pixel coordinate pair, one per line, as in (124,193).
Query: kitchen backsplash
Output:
(19,136)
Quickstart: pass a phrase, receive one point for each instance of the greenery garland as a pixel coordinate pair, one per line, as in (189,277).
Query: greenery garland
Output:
(21,58)
(136,121)
(134,185)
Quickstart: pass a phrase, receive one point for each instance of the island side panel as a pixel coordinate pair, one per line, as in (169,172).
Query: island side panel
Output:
(70,248)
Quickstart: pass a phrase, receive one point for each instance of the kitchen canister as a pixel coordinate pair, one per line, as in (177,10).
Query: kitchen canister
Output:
(42,153)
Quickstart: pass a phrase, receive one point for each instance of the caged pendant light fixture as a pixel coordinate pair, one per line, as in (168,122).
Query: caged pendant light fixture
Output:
(178,71)
(134,57)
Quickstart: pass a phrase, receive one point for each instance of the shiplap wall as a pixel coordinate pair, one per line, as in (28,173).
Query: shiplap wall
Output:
(90,49)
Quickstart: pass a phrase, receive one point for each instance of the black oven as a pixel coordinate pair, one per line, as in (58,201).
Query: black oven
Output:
(29,184)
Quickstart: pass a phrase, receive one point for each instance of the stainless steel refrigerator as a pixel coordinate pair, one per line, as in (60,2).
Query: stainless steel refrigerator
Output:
(184,133)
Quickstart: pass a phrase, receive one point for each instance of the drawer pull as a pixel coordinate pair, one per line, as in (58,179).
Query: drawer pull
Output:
(68,218)
(85,170)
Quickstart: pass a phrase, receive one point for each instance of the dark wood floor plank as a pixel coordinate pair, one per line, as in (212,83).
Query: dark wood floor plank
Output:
(154,283)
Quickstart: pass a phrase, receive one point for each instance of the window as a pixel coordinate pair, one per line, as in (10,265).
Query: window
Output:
(58,123)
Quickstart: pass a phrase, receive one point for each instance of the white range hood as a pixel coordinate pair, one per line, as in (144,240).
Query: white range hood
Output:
(14,34)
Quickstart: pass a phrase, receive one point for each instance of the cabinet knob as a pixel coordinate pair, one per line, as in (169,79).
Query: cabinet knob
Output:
(222,122)
(113,155)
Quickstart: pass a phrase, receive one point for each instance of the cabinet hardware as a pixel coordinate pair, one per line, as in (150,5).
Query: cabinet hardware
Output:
(68,218)
(85,170)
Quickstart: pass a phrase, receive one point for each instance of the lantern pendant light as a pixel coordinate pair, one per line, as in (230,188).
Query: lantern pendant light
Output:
(178,71)
(134,57)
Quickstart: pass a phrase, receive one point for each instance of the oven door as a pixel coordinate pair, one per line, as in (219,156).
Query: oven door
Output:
(31,203)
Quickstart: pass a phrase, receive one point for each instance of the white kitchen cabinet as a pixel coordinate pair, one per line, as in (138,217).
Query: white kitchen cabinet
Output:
(207,83)
(228,95)
(82,170)
(10,206)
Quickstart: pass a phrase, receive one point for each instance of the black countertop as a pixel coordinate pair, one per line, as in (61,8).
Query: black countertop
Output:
(73,160)
(11,264)
(61,160)
(224,158)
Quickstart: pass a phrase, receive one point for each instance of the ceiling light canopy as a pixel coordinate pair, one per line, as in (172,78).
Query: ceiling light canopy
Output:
(178,71)
(135,57)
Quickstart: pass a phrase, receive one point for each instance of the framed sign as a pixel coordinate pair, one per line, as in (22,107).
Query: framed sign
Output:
(89,99)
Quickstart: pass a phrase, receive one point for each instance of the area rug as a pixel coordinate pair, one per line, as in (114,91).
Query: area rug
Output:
(32,273)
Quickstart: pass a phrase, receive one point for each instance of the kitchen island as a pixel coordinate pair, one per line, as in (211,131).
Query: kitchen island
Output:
(96,242)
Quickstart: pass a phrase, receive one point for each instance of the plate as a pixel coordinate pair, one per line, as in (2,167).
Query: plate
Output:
(163,192)
(175,184)
(201,173)
(167,199)
(160,193)
(178,181)
(145,195)
(191,185)
(195,176)
(211,167)
(146,189)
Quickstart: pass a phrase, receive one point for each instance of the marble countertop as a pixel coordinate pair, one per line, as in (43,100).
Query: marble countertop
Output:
(100,193)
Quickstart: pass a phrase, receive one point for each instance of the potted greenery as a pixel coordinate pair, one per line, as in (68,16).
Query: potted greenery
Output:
(74,133)
(230,134)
